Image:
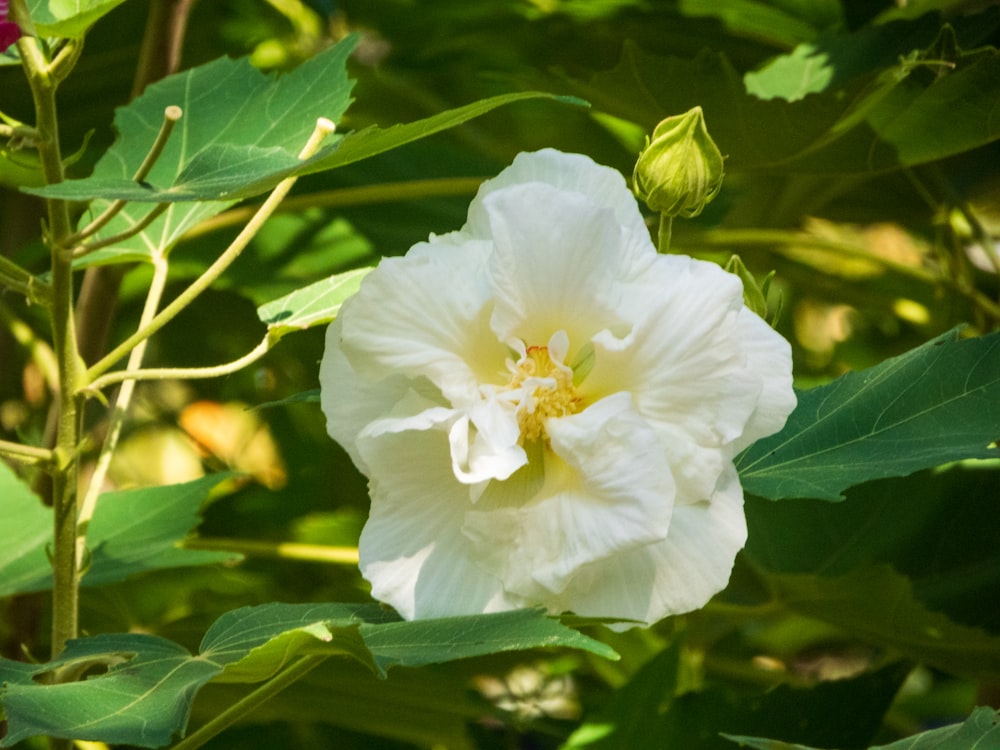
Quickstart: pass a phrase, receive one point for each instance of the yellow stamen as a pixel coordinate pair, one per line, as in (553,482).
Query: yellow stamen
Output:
(547,391)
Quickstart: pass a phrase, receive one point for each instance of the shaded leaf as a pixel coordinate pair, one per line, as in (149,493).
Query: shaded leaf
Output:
(934,404)
(144,697)
(979,732)
(313,305)
(878,605)
(132,531)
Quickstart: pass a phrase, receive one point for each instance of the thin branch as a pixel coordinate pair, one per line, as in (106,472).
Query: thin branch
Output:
(90,247)
(171,115)
(323,128)
(27,454)
(353,196)
(183,373)
(250,703)
(317,553)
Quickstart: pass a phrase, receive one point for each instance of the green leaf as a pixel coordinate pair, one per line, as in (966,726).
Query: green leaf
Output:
(935,404)
(979,732)
(316,304)
(878,605)
(68,18)
(878,121)
(239,135)
(132,531)
(22,556)
(783,23)
(144,698)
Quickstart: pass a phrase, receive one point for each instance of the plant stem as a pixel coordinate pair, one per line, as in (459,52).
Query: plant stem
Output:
(27,454)
(23,282)
(664,233)
(65,592)
(323,128)
(118,413)
(183,373)
(353,196)
(248,704)
(318,553)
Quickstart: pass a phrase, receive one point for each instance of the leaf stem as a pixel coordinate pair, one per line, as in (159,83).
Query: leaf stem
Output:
(28,454)
(24,282)
(83,250)
(183,373)
(171,115)
(323,128)
(249,703)
(117,419)
(318,553)
(353,196)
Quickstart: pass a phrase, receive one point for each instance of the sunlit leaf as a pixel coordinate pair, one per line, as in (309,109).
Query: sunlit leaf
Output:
(979,732)
(313,305)
(144,697)
(937,403)
(68,18)
(132,531)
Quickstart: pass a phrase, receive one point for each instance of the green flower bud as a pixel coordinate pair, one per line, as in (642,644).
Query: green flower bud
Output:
(680,169)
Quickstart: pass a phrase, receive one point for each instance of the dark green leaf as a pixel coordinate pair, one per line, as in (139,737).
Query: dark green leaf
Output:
(980,731)
(23,563)
(935,404)
(144,697)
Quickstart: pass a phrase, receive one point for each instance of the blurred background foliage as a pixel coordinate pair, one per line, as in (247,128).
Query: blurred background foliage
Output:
(862,150)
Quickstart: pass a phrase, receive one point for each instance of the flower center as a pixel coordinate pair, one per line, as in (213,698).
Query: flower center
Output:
(546,390)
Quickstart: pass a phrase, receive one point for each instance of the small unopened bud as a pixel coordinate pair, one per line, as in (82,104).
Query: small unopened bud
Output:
(680,169)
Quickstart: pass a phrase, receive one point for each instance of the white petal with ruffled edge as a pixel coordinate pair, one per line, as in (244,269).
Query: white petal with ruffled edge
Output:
(677,575)
(426,314)
(569,173)
(412,549)
(606,489)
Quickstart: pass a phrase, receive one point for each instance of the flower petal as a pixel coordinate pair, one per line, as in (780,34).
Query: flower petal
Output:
(602,186)
(606,489)
(557,275)
(683,360)
(412,549)
(426,314)
(770,356)
(673,576)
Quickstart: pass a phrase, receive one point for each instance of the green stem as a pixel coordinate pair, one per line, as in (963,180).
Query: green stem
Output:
(65,592)
(183,373)
(23,282)
(82,250)
(247,705)
(318,553)
(664,233)
(27,454)
(118,413)
(353,196)
(323,128)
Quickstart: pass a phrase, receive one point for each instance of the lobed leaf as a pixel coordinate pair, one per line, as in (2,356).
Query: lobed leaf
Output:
(937,403)
(144,698)
(132,531)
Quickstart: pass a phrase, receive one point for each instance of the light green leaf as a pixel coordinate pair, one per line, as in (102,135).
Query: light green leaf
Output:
(313,305)
(132,531)
(980,731)
(239,135)
(935,404)
(22,557)
(68,18)
(784,23)
(878,605)
(144,698)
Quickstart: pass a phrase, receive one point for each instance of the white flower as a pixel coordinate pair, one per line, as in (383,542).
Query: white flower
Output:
(548,410)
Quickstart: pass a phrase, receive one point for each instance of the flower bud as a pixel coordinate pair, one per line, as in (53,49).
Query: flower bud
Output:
(680,169)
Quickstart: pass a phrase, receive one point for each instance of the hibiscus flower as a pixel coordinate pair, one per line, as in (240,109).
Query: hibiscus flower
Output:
(548,410)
